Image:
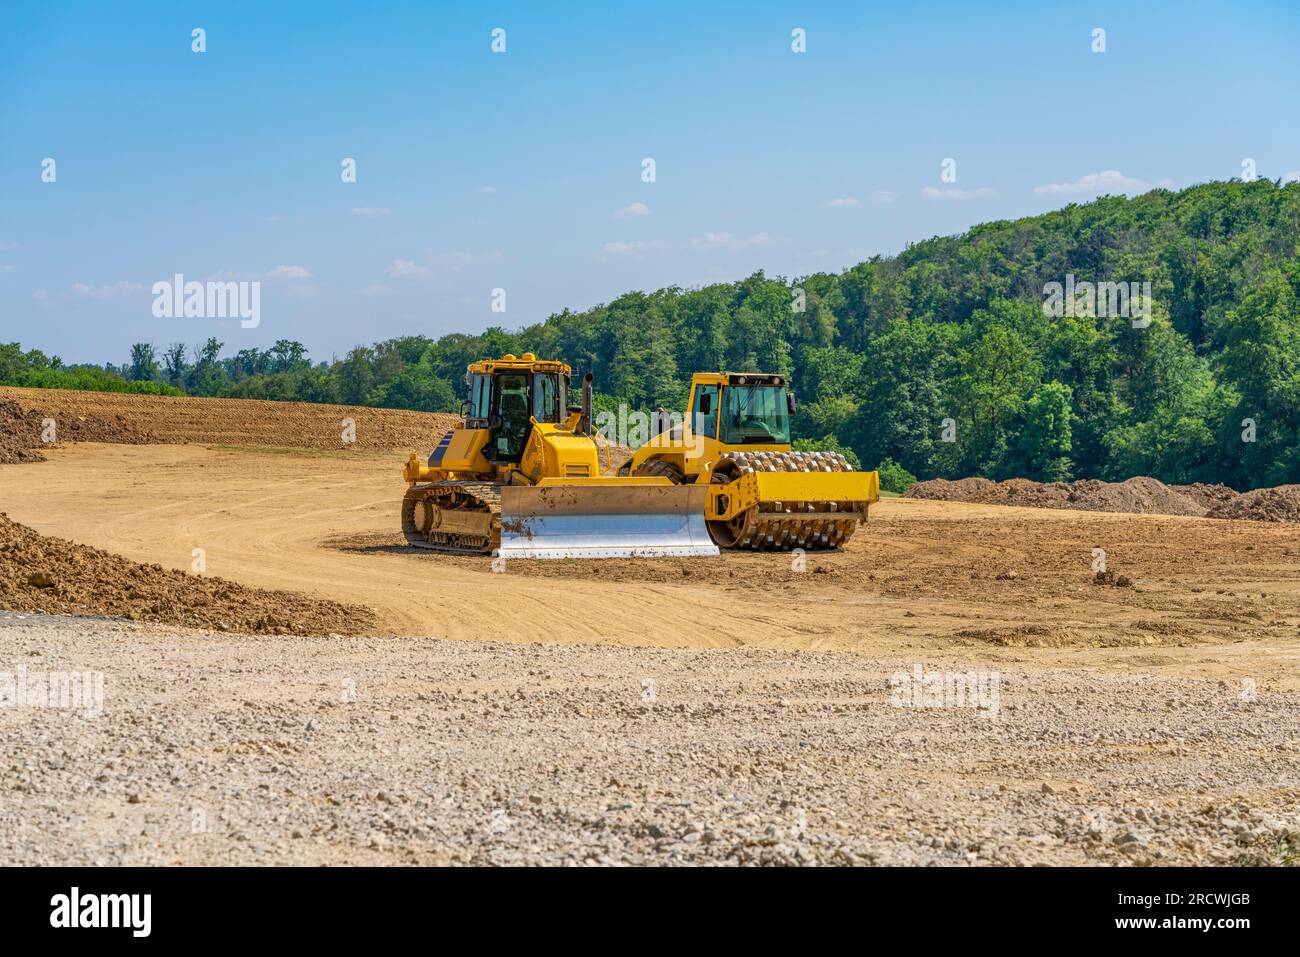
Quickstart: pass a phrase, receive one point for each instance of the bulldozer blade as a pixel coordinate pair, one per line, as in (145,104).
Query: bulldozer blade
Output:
(603,521)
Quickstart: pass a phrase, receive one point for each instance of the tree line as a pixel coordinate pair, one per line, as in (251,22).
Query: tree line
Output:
(939,361)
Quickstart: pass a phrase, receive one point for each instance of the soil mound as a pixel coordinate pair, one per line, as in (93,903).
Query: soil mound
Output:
(1208,496)
(20,434)
(40,574)
(1278,504)
(1141,494)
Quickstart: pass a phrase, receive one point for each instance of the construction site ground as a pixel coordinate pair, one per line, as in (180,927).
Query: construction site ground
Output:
(730,710)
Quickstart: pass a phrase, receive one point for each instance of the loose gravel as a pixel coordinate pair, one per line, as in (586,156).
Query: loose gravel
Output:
(225,749)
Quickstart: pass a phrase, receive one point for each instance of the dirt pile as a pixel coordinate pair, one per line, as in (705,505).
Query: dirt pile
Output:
(1207,496)
(138,419)
(20,434)
(1279,504)
(40,574)
(1141,495)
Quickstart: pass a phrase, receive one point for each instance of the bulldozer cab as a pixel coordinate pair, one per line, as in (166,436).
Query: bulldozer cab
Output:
(506,395)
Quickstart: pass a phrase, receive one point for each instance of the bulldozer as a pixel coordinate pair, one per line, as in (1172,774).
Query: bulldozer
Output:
(520,478)
(734,443)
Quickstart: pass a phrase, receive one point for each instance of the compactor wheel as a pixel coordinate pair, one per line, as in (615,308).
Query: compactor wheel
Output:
(783,526)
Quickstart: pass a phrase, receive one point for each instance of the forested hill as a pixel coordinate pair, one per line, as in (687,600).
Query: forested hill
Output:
(953,328)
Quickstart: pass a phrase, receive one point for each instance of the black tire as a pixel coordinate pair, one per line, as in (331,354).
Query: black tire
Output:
(659,467)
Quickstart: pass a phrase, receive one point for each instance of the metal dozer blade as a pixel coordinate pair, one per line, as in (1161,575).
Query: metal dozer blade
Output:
(603,521)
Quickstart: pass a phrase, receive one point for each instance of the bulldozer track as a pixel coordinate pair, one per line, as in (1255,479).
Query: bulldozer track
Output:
(477,502)
(784,526)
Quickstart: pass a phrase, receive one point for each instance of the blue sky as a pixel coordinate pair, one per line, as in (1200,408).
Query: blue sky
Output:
(522,170)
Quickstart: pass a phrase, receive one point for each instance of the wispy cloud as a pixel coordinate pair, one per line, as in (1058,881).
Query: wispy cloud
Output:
(632,209)
(406,269)
(638,250)
(730,241)
(842,202)
(456,260)
(288,272)
(371,212)
(957,195)
(1092,184)
(117,290)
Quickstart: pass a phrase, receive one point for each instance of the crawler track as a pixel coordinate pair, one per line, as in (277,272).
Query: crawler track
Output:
(461,518)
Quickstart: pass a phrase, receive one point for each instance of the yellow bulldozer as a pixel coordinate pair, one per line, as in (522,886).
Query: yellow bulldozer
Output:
(521,479)
(761,494)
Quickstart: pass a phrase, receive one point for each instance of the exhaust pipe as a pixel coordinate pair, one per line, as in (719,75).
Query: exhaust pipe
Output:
(584,424)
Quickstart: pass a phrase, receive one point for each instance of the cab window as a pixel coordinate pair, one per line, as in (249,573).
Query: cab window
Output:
(480,393)
(512,407)
(546,398)
(755,415)
(704,414)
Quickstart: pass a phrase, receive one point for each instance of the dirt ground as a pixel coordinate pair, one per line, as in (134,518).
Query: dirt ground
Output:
(1210,598)
(1139,686)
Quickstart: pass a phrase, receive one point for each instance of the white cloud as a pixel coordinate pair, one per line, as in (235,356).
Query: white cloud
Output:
(632,209)
(118,290)
(370,212)
(957,195)
(843,201)
(405,269)
(729,241)
(459,259)
(1092,184)
(639,250)
(288,272)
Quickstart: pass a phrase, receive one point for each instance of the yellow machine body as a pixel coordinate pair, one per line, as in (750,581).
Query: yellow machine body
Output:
(521,478)
(761,493)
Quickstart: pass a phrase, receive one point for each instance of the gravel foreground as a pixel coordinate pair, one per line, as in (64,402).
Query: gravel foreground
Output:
(223,749)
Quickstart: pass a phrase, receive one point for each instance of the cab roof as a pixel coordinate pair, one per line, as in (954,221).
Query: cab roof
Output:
(527,362)
(739,378)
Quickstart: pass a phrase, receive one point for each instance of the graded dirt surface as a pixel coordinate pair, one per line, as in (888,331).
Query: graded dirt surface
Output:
(1210,598)
(217,749)
(112,417)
